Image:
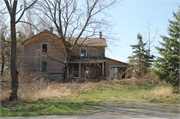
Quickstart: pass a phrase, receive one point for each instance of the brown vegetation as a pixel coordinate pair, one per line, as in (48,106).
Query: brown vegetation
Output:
(35,87)
(148,78)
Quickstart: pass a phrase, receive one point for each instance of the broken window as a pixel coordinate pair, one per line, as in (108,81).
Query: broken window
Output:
(43,66)
(44,48)
(83,52)
(86,69)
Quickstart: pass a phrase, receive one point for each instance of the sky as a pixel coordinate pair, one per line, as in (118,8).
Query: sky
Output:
(132,16)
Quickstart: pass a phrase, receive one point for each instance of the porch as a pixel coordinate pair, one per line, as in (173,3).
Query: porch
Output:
(86,68)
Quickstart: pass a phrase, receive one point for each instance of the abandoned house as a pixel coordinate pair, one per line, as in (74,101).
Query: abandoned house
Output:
(87,60)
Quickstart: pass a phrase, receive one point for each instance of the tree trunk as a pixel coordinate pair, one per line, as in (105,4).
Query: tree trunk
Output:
(66,63)
(65,78)
(3,62)
(14,72)
(2,54)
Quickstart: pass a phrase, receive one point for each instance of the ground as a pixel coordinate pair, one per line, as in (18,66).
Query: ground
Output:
(131,110)
(126,98)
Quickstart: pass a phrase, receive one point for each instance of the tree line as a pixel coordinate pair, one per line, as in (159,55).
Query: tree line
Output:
(165,66)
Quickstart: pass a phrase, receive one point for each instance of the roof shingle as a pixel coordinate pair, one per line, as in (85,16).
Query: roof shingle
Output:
(95,42)
(90,42)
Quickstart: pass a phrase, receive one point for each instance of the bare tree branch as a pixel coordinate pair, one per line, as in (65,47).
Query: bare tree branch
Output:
(25,10)
(29,24)
(54,58)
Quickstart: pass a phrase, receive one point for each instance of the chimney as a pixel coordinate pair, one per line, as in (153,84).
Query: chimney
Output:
(51,29)
(100,34)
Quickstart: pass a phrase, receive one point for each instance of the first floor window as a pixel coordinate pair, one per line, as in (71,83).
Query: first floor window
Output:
(76,70)
(86,69)
(43,66)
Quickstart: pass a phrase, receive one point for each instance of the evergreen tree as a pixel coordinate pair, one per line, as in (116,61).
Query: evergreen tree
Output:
(140,60)
(167,65)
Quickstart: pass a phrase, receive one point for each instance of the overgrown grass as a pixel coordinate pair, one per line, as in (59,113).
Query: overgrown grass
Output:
(38,97)
(46,107)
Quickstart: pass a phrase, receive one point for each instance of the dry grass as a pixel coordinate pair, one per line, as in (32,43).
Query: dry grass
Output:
(163,91)
(35,87)
(148,78)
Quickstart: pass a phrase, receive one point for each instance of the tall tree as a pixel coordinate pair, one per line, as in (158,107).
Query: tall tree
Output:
(3,46)
(149,37)
(167,64)
(12,10)
(73,18)
(139,61)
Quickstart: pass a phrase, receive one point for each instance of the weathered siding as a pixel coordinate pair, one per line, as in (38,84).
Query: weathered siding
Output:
(93,52)
(33,56)
(95,71)
(110,62)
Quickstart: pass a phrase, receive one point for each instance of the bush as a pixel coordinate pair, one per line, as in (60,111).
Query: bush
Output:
(176,90)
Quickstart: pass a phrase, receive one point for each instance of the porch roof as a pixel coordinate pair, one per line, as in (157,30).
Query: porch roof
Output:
(87,60)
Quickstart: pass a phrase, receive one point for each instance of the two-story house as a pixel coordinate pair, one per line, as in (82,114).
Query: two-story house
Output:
(88,60)
(44,52)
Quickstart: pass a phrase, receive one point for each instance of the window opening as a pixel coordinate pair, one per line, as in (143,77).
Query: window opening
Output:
(44,48)
(86,69)
(43,66)
(76,70)
(83,52)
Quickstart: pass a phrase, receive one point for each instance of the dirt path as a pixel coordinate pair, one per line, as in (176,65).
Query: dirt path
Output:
(126,110)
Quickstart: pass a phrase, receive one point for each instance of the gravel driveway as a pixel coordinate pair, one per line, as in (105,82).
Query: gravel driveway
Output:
(127,110)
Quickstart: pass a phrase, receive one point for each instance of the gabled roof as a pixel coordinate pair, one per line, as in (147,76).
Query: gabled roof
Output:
(91,42)
(37,36)
(116,60)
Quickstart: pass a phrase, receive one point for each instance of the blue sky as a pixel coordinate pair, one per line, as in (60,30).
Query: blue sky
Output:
(131,16)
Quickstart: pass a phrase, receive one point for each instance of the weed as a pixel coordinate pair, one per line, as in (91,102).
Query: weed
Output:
(39,97)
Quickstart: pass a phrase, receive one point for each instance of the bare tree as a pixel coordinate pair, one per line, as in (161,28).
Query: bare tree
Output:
(3,31)
(12,10)
(73,18)
(148,36)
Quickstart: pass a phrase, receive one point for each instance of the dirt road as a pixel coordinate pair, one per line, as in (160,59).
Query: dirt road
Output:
(128,110)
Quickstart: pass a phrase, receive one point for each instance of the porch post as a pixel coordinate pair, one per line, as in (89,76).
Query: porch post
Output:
(103,69)
(67,70)
(79,70)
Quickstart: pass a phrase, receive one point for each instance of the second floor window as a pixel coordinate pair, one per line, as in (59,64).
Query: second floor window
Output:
(44,48)
(83,52)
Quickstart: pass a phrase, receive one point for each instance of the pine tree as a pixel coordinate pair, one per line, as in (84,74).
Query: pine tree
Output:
(140,60)
(166,66)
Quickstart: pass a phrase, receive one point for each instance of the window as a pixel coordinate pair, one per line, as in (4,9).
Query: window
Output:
(86,69)
(43,66)
(44,48)
(83,52)
(76,70)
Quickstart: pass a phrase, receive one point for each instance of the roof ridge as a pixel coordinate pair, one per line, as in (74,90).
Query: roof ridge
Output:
(37,35)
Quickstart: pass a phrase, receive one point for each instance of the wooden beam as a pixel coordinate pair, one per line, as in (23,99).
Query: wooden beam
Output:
(67,70)
(79,70)
(103,69)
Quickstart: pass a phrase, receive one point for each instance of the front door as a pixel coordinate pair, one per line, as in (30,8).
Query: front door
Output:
(76,70)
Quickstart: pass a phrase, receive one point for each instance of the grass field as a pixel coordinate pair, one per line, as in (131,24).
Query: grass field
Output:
(42,98)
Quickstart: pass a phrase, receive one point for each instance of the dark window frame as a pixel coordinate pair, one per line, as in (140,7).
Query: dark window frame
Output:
(86,69)
(83,52)
(76,71)
(44,47)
